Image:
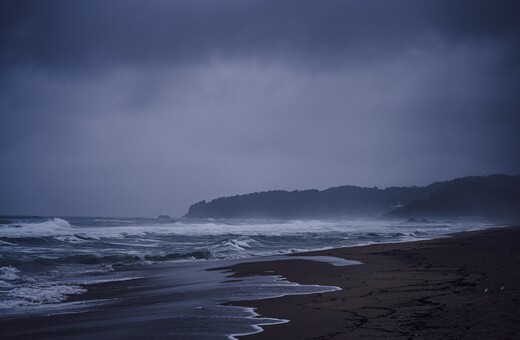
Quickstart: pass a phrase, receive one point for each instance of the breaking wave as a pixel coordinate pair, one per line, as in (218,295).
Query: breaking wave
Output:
(9,273)
(40,294)
(44,260)
(233,248)
(52,227)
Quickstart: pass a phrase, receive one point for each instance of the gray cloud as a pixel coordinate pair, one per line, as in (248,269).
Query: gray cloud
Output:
(61,34)
(134,108)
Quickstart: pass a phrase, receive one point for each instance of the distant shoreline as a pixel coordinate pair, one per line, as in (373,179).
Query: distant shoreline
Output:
(462,285)
(493,197)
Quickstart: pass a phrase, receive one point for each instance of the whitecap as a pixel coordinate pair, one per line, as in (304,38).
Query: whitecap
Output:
(52,227)
(9,273)
(42,294)
(69,239)
(4,284)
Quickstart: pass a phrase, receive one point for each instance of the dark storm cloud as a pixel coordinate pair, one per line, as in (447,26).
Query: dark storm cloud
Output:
(61,34)
(133,107)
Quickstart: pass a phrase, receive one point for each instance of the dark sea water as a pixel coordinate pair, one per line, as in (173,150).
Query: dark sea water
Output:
(48,264)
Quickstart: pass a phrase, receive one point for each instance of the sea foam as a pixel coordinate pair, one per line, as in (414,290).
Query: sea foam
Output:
(44,294)
(9,273)
(52,227)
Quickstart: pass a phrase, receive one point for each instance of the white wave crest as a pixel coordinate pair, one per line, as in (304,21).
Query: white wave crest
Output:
(70,239)
(52,227)
(141,229)
(44,294)
(232,248)
(9,273)
(4,284)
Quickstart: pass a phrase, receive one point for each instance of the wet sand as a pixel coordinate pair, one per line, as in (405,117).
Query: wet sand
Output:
(466,286)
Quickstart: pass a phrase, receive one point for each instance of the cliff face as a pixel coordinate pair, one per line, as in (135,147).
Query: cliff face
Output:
(486,196)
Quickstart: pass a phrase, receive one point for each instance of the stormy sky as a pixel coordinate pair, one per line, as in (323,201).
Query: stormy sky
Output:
(140,108)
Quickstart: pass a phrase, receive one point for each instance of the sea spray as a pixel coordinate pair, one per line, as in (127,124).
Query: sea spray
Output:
(44,260)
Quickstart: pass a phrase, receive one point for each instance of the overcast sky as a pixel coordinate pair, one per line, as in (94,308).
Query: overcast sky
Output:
(140,108)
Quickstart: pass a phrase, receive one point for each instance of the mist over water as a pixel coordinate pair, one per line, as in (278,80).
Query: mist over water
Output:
(45,260)
(122,108)
(186,100)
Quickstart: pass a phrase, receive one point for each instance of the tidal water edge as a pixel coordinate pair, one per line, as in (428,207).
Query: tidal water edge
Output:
(132,277)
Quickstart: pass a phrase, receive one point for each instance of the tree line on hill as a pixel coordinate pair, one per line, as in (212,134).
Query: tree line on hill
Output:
(494,197)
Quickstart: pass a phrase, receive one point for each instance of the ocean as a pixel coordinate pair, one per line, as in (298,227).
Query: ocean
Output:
(50,265)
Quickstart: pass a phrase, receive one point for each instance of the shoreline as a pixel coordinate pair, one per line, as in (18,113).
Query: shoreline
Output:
(387,293)
(462,285)
(168,300)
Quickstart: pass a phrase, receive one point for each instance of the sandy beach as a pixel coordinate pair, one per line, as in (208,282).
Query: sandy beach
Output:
(261,169)
(466,286)
(462,286)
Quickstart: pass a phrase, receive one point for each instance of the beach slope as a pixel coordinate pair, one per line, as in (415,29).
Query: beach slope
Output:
(463,286)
